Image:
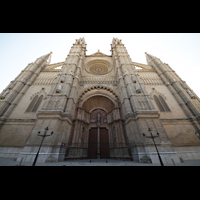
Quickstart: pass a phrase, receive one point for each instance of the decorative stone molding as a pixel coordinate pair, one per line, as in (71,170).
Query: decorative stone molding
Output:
(46,78)
(5,94)
(98,80)
(98,67)
(62,80)
(41,92)
(98,54)
(155,92)
(150,78)
(183,84)
(59,88)
(137,88)
(98,102)
(98,87)
(190,93)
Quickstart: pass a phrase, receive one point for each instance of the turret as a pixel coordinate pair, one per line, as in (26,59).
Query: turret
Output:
(19,86)
(66,82)
(129,81)
(177,87)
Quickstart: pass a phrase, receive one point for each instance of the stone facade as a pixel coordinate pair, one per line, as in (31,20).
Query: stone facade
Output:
(99,98)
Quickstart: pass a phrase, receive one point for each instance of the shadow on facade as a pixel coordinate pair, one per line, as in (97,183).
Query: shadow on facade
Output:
(79,151)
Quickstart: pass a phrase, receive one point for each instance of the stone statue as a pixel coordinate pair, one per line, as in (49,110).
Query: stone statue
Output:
(98,117)
(133,78)
(62,80)
(137,88)
(58,89)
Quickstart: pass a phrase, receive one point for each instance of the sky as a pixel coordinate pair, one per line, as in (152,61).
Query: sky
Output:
(180,50)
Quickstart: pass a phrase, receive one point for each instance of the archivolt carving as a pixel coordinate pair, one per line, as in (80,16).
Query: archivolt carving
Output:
(98,80)
(98,102)
(98,87)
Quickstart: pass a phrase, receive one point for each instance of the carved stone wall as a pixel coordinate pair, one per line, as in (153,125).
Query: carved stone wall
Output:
(46,78)
(111,88)
(150,78)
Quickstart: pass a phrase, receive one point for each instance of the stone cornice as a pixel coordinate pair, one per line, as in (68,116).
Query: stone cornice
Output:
(152,114)
(43,114)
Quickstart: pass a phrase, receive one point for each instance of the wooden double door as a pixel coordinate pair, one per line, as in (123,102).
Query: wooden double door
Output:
(98,146)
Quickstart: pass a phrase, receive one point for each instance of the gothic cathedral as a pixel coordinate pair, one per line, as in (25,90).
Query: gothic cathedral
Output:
(99,106)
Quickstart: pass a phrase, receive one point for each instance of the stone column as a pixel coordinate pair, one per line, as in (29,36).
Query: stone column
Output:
(72,96)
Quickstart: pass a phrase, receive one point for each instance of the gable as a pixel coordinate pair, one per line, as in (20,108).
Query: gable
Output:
(98,54)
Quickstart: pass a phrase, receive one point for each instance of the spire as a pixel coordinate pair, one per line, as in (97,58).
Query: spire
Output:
(80,41)
(46,58)
(116,41)
(150,57)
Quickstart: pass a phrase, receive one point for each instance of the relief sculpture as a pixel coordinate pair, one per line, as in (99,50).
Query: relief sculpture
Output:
(98,116)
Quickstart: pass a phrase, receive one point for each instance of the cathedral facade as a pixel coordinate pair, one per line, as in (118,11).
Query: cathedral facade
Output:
(99,106)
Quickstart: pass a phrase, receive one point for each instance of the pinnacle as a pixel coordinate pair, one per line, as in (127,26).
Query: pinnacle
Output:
(46,57)
(149,55)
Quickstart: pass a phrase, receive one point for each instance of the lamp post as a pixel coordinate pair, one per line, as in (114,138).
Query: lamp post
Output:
(154,144)
(46,129)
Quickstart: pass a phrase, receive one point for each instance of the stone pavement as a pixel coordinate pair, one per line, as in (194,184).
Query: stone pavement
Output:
(94,162)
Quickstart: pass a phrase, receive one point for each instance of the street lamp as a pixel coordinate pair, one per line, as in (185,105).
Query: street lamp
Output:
(197,134)
(154,144)
(46,129)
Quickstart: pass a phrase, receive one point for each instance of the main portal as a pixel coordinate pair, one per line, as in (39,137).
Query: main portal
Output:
(98,145)
(98,130)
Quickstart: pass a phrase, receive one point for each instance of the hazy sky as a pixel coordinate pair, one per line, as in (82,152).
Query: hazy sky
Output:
(180,50)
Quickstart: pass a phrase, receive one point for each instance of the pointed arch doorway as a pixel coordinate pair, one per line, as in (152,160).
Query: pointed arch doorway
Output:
(98,129)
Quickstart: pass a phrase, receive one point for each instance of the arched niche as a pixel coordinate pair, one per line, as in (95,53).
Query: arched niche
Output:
(98,101)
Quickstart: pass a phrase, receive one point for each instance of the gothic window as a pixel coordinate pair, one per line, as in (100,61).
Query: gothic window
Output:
(162,105)
(37,104)
(159,104)
(34,104)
